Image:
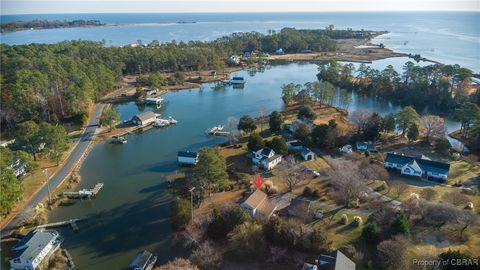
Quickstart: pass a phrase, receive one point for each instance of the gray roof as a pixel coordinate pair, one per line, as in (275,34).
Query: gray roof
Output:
(187,154)
(34,242)
(145,116)
(337,261)
(266,151)
(425,164)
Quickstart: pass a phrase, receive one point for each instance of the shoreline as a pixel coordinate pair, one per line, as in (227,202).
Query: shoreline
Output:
(110,98)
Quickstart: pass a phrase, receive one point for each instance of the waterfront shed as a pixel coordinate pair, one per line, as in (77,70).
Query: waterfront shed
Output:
(187,158)
(307,154)
(144,119)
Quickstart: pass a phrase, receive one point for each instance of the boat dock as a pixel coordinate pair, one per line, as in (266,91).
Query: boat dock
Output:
(70,222)
(85,193)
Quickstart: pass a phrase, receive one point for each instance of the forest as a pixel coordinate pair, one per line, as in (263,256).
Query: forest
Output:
(44,24)
(440,89)
(57,82)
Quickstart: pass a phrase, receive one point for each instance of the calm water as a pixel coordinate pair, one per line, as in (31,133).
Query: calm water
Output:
(448,37)
(132,212)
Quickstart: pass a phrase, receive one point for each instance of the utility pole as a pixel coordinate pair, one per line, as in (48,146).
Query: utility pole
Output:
(45,172)
(191,200)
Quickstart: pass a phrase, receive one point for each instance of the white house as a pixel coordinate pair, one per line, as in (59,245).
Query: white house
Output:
(234,60)
(266,158)
(35,247)
(258,205)
(144,119)
(187,158)
(417,166)
(307,154)
(295,124)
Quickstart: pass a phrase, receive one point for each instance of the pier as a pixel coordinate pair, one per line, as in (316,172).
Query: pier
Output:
(70,222)
(85,193)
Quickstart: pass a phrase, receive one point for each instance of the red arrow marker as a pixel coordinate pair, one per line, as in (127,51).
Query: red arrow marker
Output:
(258,183)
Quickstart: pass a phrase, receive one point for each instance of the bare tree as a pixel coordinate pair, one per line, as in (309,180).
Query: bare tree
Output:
(177,264)
(455,198)
(465,219)
(261,111)
(234,133)
(347,179)
(398,190)
(360,118)
(392,253)
(288,171)
(432,126)
(206,256)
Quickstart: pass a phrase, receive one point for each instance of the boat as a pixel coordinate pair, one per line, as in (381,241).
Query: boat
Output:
(172,121)
(144,260)
(215,129)
(119,140)
(156,101)
(161,123)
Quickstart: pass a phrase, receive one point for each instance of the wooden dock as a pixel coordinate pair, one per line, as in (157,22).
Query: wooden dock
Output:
(85,193)
(70,222)
(220,133)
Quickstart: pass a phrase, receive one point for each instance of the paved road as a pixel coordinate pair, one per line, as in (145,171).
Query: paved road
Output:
(56,179)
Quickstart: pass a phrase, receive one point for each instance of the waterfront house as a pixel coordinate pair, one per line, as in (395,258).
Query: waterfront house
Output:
(266,158)
(346,149)
(279,52)
(187,158)
(234,60)
(307,154)
(34,248)
(299,207)
(417,166)
(366,146)
(294,145)
(144,119)
(150,92)
(295,124)
(259,205)
(335,261)
(143,261)
(237,80)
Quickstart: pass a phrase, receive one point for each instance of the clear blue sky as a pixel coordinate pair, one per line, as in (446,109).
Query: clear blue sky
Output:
(114,6)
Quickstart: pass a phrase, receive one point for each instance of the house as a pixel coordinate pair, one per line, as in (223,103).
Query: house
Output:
(150,92)
(247,54)
(143,261)
(417,166)
(237,80)
(234,60)
(335,261)
(299,207)
(19,167)
(279,52)
(6,143)
(346,149)
(144,119)
(258,205)
(266,158)
(187,158)
(35,247)
(307,154)
(294,145)
(295,124)
(366,146)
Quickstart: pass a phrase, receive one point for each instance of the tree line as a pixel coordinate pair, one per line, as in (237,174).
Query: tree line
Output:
(57,82)
(434,88)
(45,24)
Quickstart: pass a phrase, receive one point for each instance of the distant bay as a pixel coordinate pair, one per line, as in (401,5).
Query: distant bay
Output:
(447,37)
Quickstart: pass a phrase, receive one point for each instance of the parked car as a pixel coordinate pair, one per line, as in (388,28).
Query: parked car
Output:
(319,214)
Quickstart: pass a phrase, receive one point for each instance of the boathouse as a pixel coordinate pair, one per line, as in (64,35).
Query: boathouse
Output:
(237,80)
(187,158)
(417,166)
(34,248)
(144,119)
(307,154)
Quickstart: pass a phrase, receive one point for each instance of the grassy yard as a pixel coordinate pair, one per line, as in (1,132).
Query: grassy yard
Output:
(461,171)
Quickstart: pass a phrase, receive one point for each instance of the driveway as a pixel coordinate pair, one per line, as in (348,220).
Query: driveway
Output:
(57,179)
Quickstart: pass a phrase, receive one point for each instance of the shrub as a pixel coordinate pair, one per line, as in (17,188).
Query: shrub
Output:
(223,221)
(181,212)
(371,233)
(247,240)
(307,191)
(469,206)
(363,197)
(344,219)
(383,186)
(357,221)
(400,225)
(428,194)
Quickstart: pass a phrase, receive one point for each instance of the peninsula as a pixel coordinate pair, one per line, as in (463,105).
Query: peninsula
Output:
(44,24)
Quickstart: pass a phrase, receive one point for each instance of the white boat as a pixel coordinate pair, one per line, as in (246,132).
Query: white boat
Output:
(172,121)
(215,129)
(161,123)
(119,140)
(157,101)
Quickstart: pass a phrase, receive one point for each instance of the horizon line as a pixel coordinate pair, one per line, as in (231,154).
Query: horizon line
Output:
(247,12)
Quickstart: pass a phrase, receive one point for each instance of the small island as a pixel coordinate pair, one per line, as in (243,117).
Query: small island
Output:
(7,27)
